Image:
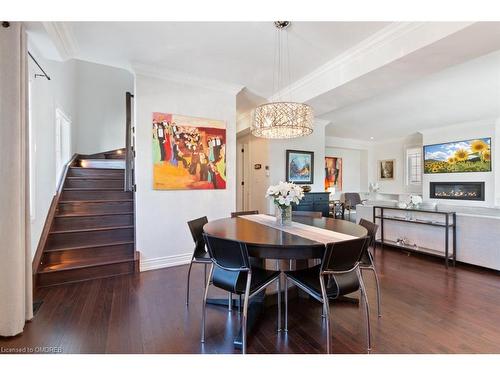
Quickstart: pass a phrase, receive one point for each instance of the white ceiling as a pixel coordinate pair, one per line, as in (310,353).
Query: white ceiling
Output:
(232,52)
(439,84)
(462,93)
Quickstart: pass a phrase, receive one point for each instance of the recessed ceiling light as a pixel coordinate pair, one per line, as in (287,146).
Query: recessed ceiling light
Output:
(371,137)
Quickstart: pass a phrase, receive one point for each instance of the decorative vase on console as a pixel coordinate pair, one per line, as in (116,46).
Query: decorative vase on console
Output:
(415,202)
(374,188)
(284,195)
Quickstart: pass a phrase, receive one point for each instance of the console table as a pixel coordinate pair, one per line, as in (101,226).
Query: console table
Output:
(448,221)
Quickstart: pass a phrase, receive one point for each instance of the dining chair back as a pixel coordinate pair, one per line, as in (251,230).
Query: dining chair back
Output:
(243,213)
(196,229)
(312,214)
(343,256)
(227,254)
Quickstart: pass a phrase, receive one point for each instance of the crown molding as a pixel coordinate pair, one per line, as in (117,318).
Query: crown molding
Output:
(321,122)
(63,38)
(185,78)
(395,34)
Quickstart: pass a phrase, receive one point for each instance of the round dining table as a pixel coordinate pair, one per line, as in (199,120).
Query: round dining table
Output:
(266,242)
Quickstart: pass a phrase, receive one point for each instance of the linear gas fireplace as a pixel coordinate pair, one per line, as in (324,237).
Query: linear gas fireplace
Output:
(471,191)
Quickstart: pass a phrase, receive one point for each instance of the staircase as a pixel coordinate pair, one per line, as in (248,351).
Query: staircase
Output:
(91,233)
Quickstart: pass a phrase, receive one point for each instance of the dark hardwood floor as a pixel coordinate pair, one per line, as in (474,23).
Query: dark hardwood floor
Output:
(426,309)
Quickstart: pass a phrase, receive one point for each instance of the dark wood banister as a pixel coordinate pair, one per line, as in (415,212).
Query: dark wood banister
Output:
(129,148)
(48,221)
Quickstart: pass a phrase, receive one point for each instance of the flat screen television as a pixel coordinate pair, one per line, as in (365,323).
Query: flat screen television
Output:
(472,155)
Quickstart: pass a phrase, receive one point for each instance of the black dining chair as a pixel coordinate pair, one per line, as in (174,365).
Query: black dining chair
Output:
(311,214)
(200,254)
(366,261)
(243,213)
(337,275)
(231,271)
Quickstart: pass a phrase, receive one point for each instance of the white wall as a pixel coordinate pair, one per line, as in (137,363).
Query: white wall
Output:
(163,236)
(393,149)
(46,96)
(458,132)
(277,157)
(92,96)
(101,106)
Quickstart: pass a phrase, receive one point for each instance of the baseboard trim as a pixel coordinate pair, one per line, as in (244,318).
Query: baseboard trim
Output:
(164,262)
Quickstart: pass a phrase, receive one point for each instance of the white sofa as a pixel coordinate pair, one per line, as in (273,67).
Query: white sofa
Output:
(478,231)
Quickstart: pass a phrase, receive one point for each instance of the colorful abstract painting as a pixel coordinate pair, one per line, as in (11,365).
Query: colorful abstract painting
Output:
(473,155)
(300,166)
(333,173)
(188,152)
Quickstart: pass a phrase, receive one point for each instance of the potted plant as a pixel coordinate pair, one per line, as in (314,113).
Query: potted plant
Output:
(284,195)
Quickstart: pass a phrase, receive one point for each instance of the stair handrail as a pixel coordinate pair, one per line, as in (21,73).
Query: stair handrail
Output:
(129,147)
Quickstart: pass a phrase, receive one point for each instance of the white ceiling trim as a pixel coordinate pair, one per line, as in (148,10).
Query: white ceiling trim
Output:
(187,79)
(64,41)
(401,38)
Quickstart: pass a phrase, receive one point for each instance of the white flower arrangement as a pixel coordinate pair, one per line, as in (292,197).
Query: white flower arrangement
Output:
(285,193)
(416,200)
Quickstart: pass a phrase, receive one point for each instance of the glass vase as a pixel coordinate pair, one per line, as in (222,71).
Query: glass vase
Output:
(283,215)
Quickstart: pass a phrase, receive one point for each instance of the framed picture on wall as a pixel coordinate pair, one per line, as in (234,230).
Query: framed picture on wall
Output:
(333,173)
(386,169)
(300,167)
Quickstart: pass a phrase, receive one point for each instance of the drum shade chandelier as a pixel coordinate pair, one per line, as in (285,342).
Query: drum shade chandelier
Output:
(282,119)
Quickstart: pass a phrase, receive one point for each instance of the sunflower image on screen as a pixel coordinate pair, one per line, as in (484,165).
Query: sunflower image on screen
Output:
(472,155)
(188,152)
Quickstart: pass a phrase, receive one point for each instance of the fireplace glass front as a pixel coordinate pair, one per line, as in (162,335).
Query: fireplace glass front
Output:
(457,190)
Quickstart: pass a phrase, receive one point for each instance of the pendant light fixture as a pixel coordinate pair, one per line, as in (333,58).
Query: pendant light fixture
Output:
(282,119)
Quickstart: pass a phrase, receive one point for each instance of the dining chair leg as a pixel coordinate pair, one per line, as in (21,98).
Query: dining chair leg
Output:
(326,309)
(188,278)
(367,309)
(279,295)
(376,281)
(230,302)
(279,303)
(204,305)
(286,304)
(378,291)
(205,275)
(239,305)
(245,314)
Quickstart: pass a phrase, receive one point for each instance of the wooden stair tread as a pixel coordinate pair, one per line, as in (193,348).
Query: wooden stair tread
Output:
(93,189)
(99,169)
(98,200)
(91,233)
(110,177)
(96,229)
(94,214)
(49,268)
(103,244)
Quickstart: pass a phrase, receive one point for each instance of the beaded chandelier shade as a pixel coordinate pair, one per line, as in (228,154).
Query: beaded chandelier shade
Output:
(282,119)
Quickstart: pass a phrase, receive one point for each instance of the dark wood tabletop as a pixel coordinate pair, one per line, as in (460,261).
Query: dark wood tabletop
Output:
(267,242)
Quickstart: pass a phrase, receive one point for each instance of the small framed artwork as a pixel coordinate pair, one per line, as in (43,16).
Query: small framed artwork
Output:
(386,169)
(300,167)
